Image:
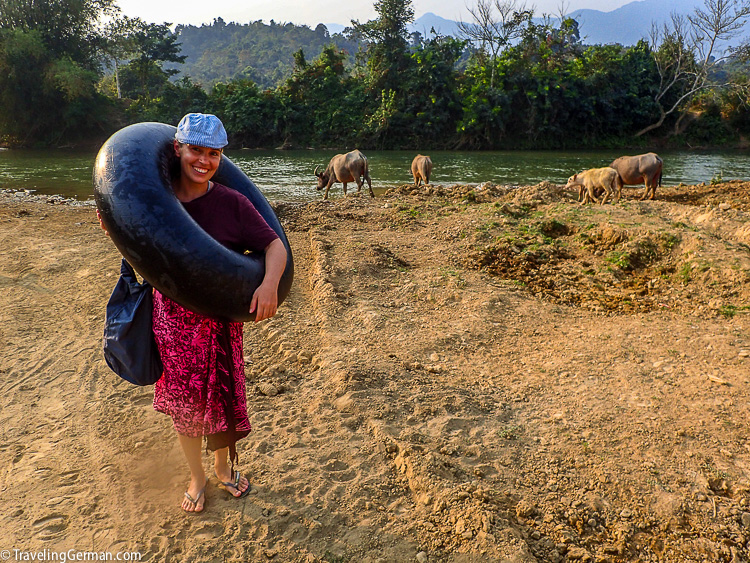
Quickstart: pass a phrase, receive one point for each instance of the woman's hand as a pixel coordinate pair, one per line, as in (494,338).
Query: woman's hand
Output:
(266,299)
(101,223)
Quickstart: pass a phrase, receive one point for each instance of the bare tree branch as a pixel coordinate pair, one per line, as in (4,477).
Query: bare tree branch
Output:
(685,53)
(496,25)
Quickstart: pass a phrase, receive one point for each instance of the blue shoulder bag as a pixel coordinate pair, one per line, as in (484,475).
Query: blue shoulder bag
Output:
(129,346)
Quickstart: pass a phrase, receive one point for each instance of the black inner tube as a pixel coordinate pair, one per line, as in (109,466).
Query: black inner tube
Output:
(152,230)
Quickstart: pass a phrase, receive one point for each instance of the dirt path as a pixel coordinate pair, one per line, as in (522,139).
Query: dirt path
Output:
(459,374)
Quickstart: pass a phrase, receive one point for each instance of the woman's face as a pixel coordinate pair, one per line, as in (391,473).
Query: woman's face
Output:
(197,164)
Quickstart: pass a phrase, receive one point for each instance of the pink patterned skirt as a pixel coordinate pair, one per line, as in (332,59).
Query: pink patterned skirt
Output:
(203,386)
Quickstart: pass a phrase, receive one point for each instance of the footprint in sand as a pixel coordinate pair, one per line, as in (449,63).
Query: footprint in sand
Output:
(264,448)
(54,501)
(143,400)
(339,470)
(335,465)
(69,478)
(50,527)
(209,532)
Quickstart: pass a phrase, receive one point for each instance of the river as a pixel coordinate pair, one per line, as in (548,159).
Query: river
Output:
(288,175)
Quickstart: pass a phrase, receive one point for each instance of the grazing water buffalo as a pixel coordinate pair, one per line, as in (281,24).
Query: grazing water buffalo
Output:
(589,181)
(345,168)
(421,169)
(646,168)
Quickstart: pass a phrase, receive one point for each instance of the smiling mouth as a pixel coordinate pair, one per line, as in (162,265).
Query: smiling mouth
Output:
(200,170)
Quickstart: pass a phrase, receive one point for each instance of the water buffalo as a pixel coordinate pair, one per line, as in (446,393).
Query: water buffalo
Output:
(345,168)
(421,168)
(589,181)
(646,168)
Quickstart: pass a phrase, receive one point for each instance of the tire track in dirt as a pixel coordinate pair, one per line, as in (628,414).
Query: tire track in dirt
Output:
(408,484)
(46,375)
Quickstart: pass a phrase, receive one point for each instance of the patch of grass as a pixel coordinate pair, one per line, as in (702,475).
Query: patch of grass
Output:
(710,470)
(517,212)
(684,272)
(585,238)
(510,432)
(487,227)
(619,259)
(681,225)
(728,311)
(411,211)
(553,228)
(670,240)
(454,275)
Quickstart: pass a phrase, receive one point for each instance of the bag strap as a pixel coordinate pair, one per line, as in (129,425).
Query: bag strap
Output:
(126,269)
(128,274)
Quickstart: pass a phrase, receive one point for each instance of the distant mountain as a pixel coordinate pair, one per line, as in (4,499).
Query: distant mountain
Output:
(629,23)
(625,25)
(428,22)
(424,24)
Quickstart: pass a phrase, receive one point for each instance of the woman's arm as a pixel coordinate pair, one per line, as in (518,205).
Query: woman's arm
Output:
(265,299)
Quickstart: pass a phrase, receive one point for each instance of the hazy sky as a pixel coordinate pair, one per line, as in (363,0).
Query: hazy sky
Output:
(312,12)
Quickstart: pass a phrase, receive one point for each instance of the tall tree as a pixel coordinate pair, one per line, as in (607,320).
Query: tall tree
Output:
(387,50)
(50,66)
(120,44)
(433,100)
(497,23)
(686,54)
(152,46)
(69,27)
(322,103)
(387,60)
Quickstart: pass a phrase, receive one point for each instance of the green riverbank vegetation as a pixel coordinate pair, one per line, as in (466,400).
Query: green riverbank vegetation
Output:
(74,71)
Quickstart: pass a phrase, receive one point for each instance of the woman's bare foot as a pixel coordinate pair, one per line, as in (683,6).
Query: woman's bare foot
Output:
(195,497)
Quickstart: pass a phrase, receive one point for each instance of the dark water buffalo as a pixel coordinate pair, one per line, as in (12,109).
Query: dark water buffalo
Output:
(345,168)
(421,169)
(642,168)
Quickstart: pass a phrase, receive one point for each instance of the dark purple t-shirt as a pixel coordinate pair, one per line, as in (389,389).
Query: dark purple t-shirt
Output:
(230,218)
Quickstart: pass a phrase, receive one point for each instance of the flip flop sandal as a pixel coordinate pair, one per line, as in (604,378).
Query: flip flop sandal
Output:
(235,485)
(197,498)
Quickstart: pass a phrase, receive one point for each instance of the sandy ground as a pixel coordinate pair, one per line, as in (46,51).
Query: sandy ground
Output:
(461,374)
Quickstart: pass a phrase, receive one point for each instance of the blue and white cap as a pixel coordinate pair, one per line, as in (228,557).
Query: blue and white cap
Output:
(203,130)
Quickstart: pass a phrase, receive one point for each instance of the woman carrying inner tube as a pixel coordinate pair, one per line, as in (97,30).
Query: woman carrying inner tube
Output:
(203,385)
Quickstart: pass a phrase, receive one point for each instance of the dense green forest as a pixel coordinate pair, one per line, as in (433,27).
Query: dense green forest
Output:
(260,52)
(74,71)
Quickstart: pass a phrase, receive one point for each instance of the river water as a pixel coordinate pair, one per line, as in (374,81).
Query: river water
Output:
(288,175)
